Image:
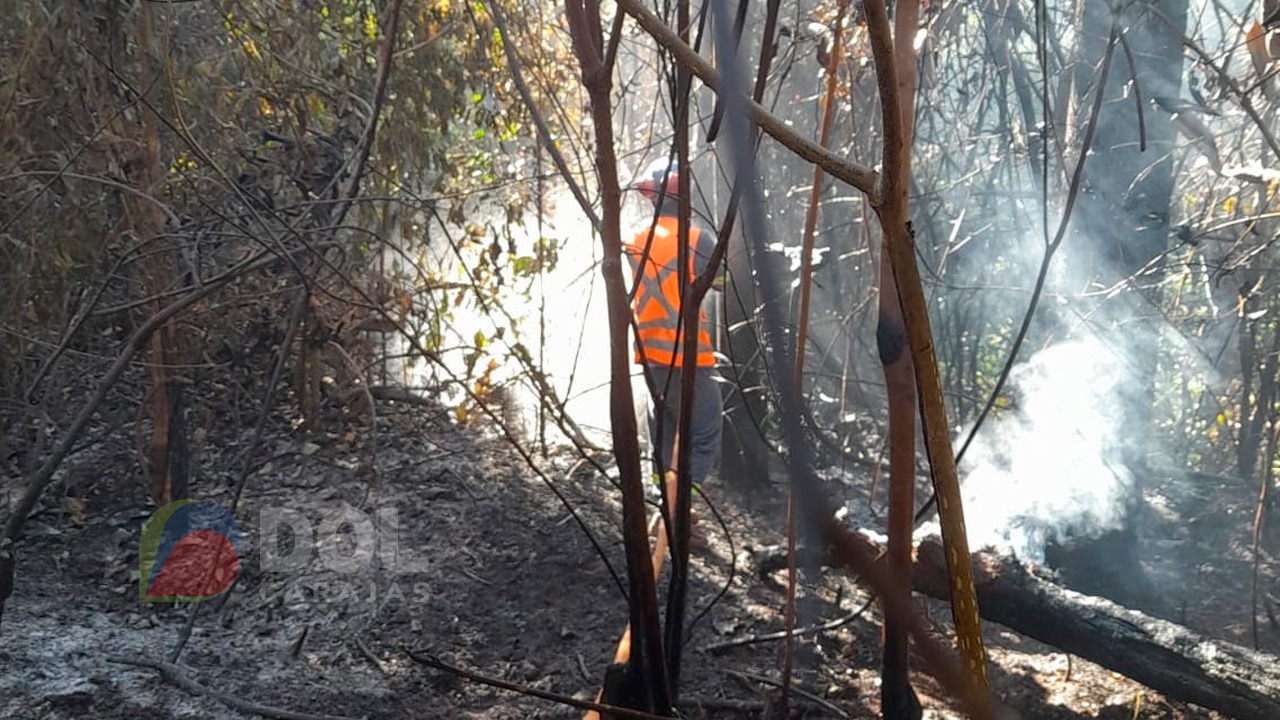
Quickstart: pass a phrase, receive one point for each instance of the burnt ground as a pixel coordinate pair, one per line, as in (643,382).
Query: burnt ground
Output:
(505,584)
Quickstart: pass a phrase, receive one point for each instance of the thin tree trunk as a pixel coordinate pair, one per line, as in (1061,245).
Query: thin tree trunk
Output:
(156,271)
(827,102)
(645,677)
(895,70)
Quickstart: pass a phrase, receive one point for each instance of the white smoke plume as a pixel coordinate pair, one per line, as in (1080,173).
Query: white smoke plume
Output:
(1049,465)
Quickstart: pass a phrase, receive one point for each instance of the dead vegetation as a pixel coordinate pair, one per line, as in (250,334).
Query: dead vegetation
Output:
(232,230)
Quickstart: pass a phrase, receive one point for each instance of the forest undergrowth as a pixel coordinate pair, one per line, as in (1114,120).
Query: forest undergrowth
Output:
(493,577)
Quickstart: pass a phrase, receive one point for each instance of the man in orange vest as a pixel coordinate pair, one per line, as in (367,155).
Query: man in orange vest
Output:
(654,256)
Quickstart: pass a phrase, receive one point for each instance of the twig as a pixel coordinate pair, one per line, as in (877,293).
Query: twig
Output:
(368,654)
(295,649)
(827,103)
(1136,84)
(827,704)
(753,638)
(678,525)
(179,676)
(747,706)
(733,566)
(268,403)
(466,487)
(433,662)
(647,662)
(1227,79)
(475,577)
(185,634)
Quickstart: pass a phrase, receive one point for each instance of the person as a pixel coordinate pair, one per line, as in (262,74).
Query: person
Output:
(653,255)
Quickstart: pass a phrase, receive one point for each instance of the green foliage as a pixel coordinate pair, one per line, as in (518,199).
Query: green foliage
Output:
(261,108)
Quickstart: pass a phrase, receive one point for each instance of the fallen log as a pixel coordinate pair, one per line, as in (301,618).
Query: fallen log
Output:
(1164,656)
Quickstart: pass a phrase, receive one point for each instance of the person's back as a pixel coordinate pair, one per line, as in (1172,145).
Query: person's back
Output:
(654,256)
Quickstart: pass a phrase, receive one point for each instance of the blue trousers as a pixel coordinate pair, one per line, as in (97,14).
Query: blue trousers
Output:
(705,426)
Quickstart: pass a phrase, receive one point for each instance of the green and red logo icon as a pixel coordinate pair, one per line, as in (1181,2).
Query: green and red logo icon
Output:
(189,551)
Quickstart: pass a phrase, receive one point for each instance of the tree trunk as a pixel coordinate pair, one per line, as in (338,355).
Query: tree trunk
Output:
(155,273)
(744,459)
(1124,214)
(1164,656)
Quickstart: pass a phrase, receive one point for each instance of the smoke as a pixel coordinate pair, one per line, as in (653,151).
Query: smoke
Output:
(1049,465)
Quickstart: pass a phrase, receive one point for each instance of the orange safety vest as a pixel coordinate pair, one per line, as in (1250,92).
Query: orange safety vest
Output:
(656,302)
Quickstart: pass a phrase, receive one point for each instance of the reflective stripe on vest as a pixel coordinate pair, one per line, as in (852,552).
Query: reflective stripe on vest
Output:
(657,290)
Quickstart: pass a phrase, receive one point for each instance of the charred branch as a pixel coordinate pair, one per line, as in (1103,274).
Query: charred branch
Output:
(1162,655)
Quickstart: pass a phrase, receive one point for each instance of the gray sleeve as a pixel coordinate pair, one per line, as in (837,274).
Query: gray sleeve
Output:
(702,251)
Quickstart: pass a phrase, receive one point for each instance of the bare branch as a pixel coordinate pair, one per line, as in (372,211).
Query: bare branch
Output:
(179,676)
(387,45)
(859,176)
(614,710)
